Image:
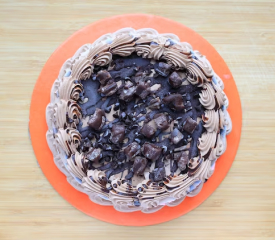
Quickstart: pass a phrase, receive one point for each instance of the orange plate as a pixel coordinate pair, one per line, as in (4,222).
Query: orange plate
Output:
(41,97)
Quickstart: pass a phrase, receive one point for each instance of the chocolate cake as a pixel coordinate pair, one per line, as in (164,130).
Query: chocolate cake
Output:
(137,120)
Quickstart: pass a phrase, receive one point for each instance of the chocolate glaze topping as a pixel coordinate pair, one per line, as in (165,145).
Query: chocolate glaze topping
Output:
(152,115)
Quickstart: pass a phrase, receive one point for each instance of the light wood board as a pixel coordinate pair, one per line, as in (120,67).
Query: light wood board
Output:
(243,32)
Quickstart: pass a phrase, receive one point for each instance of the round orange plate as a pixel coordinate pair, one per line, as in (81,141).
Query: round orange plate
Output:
(41,97)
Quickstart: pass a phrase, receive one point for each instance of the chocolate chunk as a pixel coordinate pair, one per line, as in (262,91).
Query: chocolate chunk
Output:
(94,154)
(139,166)
(121,156)
(109,89)
(97,120)
(174,100)
(176,136)
(139,77)
(148,130)
(127,92)
(132,150)
(161,121)
(142,90)
(118,132)
(175,80)
(162,68)
(189,125)
(103,76)
(151,151)
(154,104)
(159,174)
(182,159)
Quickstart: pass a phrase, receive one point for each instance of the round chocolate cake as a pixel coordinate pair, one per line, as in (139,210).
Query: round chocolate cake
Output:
(137,120)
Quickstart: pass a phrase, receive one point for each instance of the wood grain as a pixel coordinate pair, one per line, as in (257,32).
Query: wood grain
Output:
(243,32)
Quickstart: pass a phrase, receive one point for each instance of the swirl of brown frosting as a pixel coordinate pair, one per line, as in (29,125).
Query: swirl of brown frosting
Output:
(123,45)
(78,165)
(204,65)
(205,171)
(150,194)
(199,70)
(176,57)
(66,114)
(69,140)
(122,195)
(157,47)
(96,50)
(102,59)
(81,69)
(218,150)
(194,74)
(70,89)
(211,120)
(206,142)
(143,50)
(142,46)
(207,98)
(96,182)
(220,95)
(178,185)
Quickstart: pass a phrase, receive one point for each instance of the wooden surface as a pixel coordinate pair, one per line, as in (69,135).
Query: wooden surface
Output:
(243,207)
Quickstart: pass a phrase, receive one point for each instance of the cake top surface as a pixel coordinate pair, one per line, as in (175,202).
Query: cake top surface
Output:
(141,118)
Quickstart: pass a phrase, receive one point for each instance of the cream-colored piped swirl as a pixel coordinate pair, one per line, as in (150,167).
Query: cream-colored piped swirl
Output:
(211,121)
(150,194)
(66,114)
(69,139)
(220,95)
(78,165)
(123,45)
(207,98)
(70,89)
(206,142)
(81,65)
(95,182)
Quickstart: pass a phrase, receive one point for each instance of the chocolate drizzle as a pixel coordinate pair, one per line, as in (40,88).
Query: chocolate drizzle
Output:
(171,103)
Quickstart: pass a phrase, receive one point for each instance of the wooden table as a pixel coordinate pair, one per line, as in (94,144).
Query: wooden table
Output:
(243,207)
